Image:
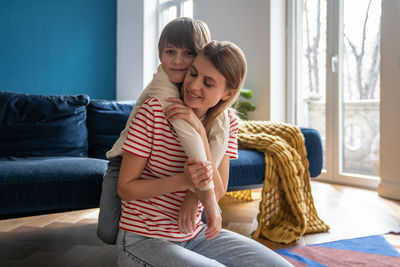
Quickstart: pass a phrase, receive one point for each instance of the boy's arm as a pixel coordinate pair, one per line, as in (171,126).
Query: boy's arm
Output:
(209,199)
(187,213)
(162,88)
(193,144)
(220,174)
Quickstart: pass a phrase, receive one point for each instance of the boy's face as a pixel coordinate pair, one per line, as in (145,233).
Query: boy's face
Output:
(175,62)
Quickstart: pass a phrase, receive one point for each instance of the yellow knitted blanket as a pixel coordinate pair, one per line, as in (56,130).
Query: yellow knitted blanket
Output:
(287,208)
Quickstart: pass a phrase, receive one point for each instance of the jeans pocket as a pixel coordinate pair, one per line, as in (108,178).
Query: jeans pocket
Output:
(126,256)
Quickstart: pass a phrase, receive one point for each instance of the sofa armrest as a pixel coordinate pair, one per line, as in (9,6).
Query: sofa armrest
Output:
(314,148)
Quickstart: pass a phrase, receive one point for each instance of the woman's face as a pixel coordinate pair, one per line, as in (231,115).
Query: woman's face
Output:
(204,86)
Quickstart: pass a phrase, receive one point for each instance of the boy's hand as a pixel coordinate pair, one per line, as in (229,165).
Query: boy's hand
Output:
(214,223)
(214,218)
(187,213)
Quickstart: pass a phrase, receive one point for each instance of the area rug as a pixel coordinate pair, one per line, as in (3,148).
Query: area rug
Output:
(375,250)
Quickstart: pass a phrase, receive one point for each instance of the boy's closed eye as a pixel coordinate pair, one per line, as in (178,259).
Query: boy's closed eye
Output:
(190,53)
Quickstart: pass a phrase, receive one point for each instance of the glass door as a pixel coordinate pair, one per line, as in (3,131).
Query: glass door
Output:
(337,48)
(361,75)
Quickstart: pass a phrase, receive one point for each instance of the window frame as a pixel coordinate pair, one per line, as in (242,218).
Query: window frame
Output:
(334,116)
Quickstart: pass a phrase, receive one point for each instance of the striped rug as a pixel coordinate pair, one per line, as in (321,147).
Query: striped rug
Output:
(375,250)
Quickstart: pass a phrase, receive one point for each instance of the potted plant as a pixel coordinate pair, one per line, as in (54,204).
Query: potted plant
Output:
(243,105)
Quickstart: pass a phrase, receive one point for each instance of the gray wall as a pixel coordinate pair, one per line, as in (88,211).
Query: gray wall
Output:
(390,97)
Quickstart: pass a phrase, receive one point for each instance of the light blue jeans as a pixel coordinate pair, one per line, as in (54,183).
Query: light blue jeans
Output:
(227,249)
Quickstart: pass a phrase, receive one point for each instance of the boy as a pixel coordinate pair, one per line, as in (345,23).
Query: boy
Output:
(179,43)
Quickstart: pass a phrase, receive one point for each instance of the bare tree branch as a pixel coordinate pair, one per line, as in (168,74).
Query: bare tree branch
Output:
(364,86)
(308,50)
(316,46)
(364,89)
(373,73)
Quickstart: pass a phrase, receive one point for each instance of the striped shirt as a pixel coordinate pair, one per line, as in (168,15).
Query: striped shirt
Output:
(151,136)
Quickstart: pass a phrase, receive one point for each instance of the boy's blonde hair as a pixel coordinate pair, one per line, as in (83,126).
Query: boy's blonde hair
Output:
(230,61)
(186,33)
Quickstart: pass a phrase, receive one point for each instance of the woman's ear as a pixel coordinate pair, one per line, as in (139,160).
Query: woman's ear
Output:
(228,94)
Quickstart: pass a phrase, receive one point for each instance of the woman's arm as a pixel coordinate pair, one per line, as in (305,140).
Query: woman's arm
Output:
(132,187)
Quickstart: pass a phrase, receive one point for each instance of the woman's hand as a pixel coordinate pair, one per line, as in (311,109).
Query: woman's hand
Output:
(178,110)
(197,174)
(187,213)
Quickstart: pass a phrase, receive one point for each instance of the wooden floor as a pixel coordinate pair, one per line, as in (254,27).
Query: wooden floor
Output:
(69,239)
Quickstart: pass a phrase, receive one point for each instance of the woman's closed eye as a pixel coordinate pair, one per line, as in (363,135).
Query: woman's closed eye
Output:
(208,82)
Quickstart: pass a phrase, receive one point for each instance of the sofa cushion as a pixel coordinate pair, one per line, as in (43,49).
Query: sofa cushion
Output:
(37,125)
(248,171)
(49,183)
(105,121)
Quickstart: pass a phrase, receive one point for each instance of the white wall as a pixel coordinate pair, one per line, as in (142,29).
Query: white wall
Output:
(129,80)
(248,24)
(390,97)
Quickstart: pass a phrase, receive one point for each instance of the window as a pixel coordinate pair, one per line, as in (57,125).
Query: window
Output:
(157,13)
(170,9)
(335,75)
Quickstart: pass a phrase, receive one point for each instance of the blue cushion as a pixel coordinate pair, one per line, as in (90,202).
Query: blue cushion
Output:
(37,125)
(105,121)
(248,171)
(315,153)
(45,183)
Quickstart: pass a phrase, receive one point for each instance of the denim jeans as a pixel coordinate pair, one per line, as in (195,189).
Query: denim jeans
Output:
(227,249)
(110,203)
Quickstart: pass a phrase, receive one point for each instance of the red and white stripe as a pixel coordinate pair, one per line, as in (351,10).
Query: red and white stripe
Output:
(151,136)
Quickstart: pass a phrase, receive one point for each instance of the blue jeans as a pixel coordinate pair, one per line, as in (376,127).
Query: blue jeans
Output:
(227,249)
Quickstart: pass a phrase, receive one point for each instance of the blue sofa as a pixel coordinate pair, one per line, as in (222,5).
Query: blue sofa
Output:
(52,152)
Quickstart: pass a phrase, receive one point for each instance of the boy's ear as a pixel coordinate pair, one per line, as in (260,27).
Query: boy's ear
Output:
(227,94)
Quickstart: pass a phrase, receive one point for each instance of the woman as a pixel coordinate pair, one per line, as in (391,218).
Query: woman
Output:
(161,219)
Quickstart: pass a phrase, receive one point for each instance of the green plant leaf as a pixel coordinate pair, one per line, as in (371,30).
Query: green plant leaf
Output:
(243,106)
(246,105)
(246,93)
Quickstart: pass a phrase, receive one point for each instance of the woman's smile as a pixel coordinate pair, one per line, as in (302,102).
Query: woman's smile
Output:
(203,86)
(193,95)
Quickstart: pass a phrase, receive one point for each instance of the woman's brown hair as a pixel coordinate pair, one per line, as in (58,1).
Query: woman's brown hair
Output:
(230,61)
